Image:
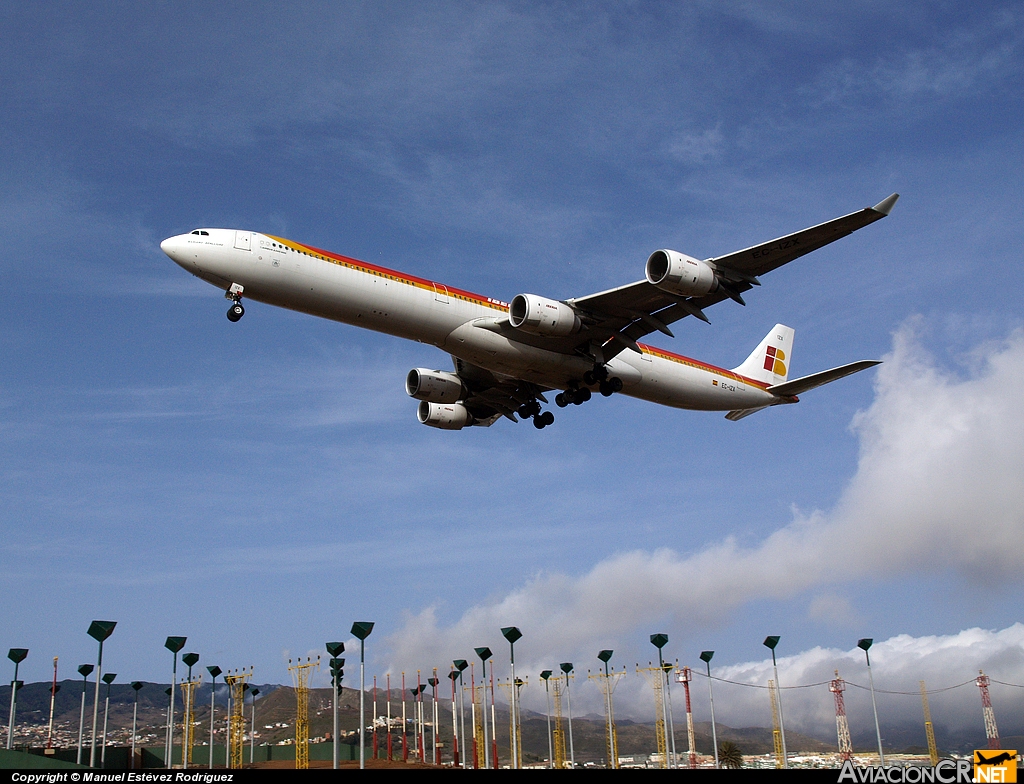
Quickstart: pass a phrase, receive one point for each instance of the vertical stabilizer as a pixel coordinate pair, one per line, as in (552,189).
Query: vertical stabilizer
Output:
(769,362)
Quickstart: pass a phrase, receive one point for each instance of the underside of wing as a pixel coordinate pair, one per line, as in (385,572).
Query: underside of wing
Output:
(613,320)
(768,256)
(492,396)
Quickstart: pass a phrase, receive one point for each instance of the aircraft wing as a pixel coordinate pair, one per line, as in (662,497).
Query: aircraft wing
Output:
(617,318)
(492,396)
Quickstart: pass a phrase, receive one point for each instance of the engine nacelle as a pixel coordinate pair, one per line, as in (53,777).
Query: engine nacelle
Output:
(434,386)
(680,274)
(542,316)
(446,416)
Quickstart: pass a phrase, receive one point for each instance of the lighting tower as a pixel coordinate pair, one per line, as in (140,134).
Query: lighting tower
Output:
(567,668)
(337,673)
(559,733)
(513,689)
(512,633)
(174,645)
(214,671)
(301,672)
(361,630)
(84,670)
(770,642)
(460,666)
(544,676)
(780,752)
(54,688)
(837,686)
(136,685)
(237,681)
(864,644)
(253,693)
(606,681)
(436,754)
(99,631)
(16,655)
(986,708)
(684,676)
(929,731)
(107,679)
(705,656)
(485,653)
(188,719)
(659,641)
(656,677)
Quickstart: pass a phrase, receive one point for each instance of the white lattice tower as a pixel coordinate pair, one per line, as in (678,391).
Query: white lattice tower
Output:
(236,722)
(837,686)
(684,676)
(776,730)
(657,682)
(929,731)
(991,730)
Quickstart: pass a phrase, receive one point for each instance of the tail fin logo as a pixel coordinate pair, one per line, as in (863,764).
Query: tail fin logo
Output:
(774,360)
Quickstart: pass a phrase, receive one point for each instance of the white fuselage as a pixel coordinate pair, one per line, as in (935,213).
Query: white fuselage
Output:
(280,272)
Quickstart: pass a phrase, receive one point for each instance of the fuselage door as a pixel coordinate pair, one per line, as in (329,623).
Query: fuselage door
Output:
(441,293)
(243,240)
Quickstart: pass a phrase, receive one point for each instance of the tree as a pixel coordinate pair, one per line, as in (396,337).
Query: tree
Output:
(730,755)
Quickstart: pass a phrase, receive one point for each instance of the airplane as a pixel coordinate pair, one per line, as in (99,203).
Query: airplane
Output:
(507,355)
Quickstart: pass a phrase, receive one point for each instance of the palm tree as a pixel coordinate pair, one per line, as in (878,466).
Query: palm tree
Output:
(730,755)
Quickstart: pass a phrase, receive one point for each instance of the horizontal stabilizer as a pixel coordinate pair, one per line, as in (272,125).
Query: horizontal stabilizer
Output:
(800,385)
(739,413)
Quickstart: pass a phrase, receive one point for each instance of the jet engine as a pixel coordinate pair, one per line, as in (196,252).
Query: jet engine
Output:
(446,416)
(434,386)
(680,274)
(542,316)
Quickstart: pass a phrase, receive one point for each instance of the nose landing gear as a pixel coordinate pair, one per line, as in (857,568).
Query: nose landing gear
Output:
(236,311)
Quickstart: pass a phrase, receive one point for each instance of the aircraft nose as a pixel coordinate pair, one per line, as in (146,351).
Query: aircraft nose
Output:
(176,248)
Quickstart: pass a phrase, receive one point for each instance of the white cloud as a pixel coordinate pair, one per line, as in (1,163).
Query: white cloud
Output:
(697,148)
(898,665)
(937,490)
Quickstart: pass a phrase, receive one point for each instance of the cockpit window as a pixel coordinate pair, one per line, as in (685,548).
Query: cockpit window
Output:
(201,233)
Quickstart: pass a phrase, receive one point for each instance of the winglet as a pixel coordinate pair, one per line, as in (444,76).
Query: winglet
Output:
(885,205)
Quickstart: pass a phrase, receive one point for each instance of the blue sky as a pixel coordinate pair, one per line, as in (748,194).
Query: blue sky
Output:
(259,486)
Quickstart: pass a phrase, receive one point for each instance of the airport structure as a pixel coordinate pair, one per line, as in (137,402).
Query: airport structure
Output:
(433,742)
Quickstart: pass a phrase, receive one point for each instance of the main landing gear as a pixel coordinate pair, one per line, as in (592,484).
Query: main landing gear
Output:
(236,311)
(532,409)
(607,385)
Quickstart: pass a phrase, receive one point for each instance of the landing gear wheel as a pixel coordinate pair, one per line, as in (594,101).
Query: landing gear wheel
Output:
(560,400)
(615,384)
(589,379)
(606,389)
(582,395)
(600,373)
(235,312)
(539,423)
(527,410)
